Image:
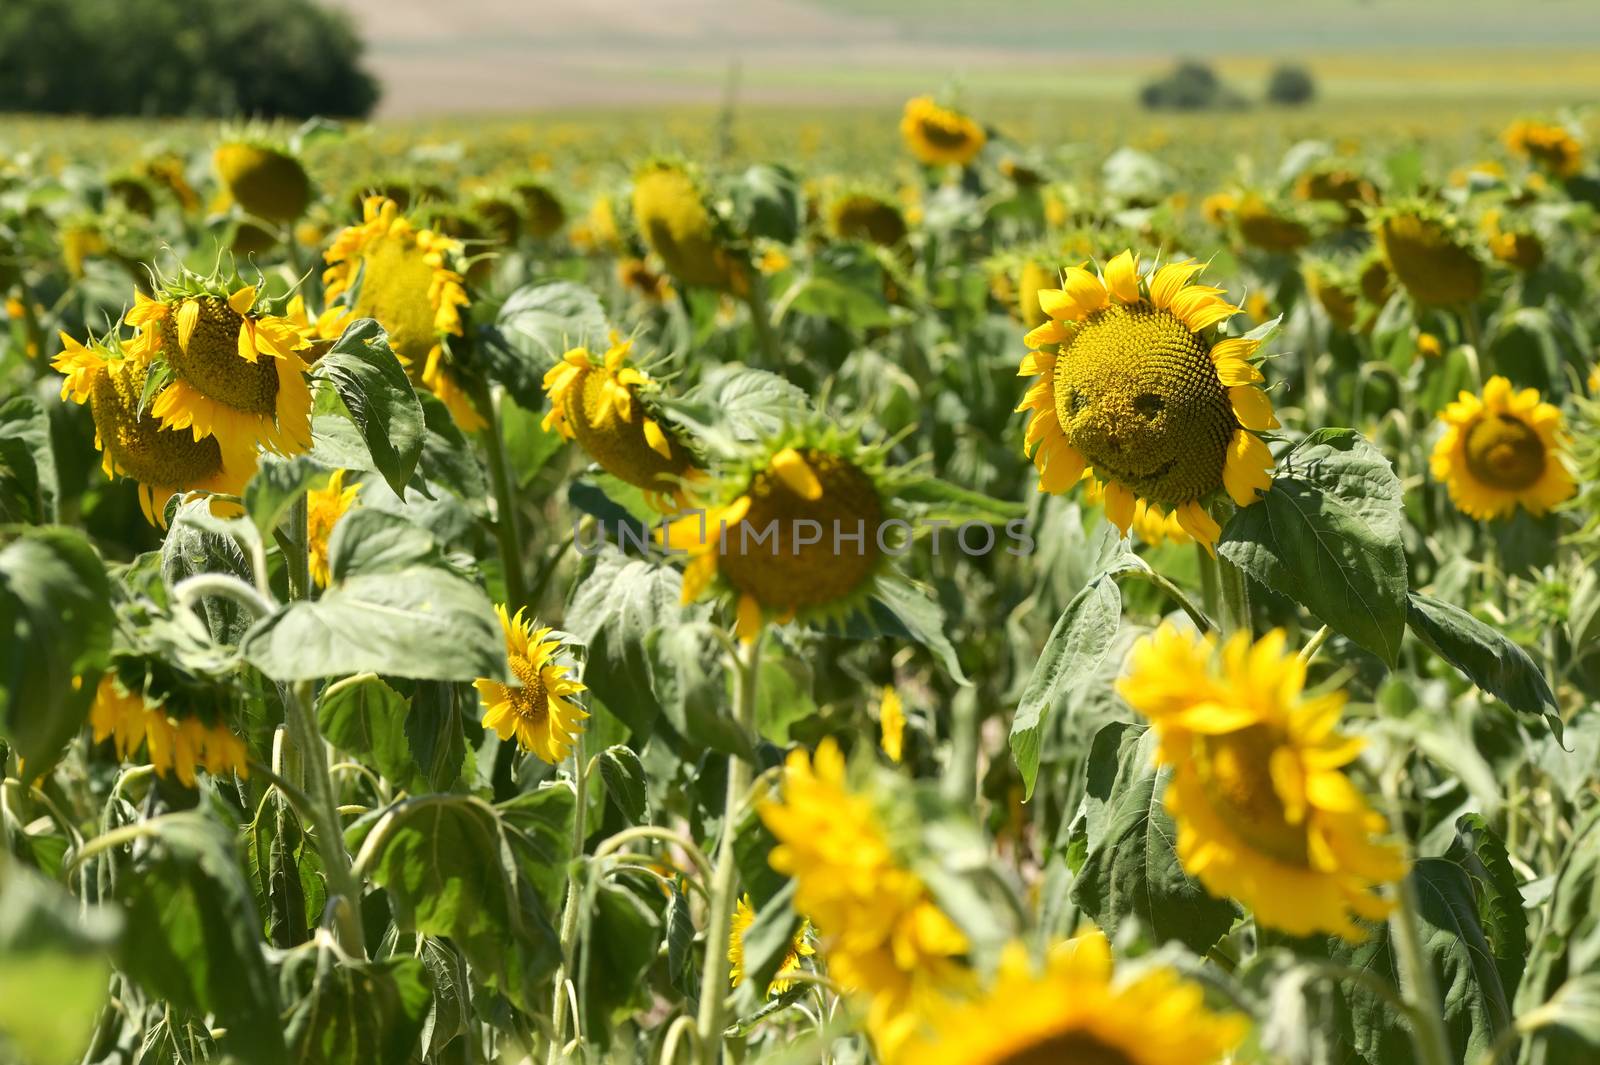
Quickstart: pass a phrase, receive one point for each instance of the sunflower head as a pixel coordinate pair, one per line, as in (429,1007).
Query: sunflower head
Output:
(602,403)
(1265,811)
(1134,385)
(133,191)
(1502,450)
(1076,1012)
(938,135)
(543,214)
(501,213)
(744,915)
(598,230)
(537,708)
(1547,145)
(861,215)
(1515,245)
(1377,283)
(635,275)
(1218,207)
(1338,185)
(134,443)
(265,179)
(235,361)
(881,932)
(676,220)
(324,507)
(794,531)
(1336,290)
(179,721)
(1428,253)
(169,172)
(407,278)
(1267,226)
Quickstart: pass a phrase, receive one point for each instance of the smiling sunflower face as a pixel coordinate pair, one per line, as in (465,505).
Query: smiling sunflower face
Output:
(1139,392)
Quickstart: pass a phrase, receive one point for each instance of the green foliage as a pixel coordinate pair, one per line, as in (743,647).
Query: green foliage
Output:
(288,58)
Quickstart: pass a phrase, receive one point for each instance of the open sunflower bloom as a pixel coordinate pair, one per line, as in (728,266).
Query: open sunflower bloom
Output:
(1503,450)
(390,270)
(774,543)
(1135,388)
(134,443)
(1076,1012)
(939,135)
(882,934)
(537,709)
(237,372)
(1265,812)
(744,915)
(598,403)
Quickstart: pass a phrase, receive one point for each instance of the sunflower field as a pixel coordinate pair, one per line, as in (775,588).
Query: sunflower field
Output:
(471,595)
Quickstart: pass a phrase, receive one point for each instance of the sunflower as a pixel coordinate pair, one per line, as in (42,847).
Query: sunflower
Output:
(264,179)
(1517,247)
(1336,295)
(1428,255)
(135,444)
(675,219)
(237,370)
(1267,227)
(865,216)
(389,270)
(1429,346)
(598,230)
(1340,186)
(602,406)
(536,709)
(881,933)
(1265,813)
(1136,392)
(176,744)
(1545,144)
(744,915)
(892,725)
(324,507)
(1076,1012)
(938,135)
(542,212)
(798,532)
(1501,450)
(1218,207)
(635,275)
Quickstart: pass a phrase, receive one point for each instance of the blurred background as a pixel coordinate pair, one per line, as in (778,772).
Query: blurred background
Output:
(412,58)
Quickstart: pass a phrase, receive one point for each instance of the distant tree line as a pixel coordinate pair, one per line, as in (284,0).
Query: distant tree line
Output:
(1194,86)
(266,58)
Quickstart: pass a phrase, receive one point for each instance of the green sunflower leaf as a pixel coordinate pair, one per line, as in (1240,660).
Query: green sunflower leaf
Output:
(350,1012)
(1487,656)
(537,324)
(369,379)
(29,484)
(193,936)
(1078,644)
(55,636)
(1327,535)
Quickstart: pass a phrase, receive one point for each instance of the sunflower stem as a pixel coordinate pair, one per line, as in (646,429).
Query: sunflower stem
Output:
(1419,986)
(761,320)
(714,976)
(505,518)
(571,910)
(1210,597)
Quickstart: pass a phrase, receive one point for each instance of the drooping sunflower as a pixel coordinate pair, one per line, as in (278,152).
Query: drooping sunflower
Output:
(178,740)
(264,178)
(744,915)
(795,532)
(603,405)
(881,933)
(1515,245)
(1265,812)
(134,443)
(543,214)
(1076,1012)
(537,709)
(388,269)
(1139,393)
(939,135)
(1338,185)
(1269,227)
(1335,292)
(1429,255)
(237,366)
(671,210)
(862,215)
(1503,450)
(1547,145)
(324,507)
(635,275)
